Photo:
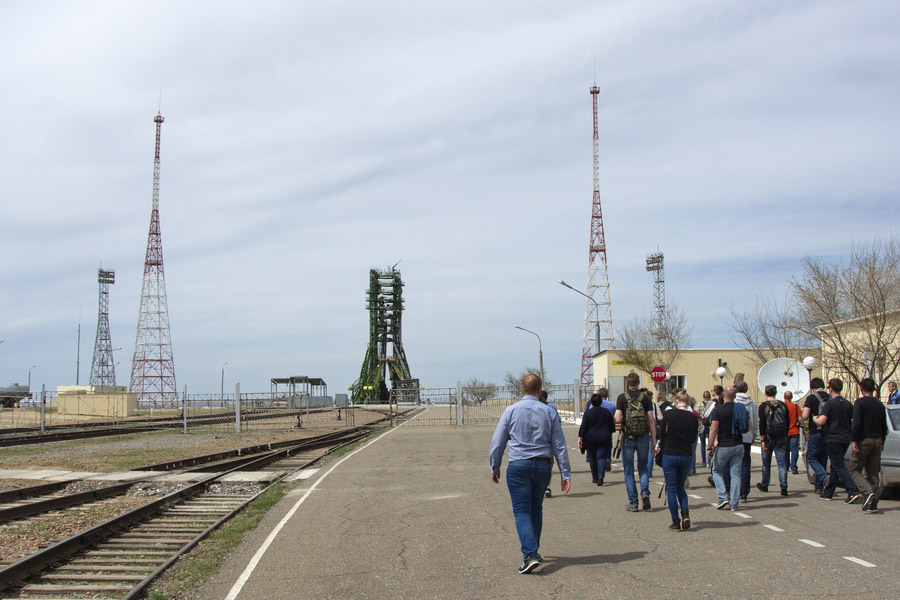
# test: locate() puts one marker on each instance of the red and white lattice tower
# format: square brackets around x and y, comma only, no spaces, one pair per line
[599,333]
[153,368]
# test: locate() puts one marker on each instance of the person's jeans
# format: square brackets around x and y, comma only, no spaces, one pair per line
[815,456]
[728,461]
[836,451]
[745,470]
[675,470]
[641,447]
[527,481]
[597,458]
[794,449]
[779,446]
[694,456]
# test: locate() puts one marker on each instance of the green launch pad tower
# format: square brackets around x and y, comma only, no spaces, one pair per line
[385,359]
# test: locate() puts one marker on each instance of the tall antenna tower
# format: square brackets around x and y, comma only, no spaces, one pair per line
[153,368]
[103,369]
[599,333]
[655,265]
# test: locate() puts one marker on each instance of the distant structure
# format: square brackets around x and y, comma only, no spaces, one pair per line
[385,358]
[598,307]
[153,368]
[655,265]
[103,368]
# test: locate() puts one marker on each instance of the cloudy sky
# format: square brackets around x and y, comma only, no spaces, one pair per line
[307,142]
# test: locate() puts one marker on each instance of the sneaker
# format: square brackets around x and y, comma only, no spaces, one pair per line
[853,498]
[532,562]
[685,520]
[548,493]
[608,466]
[633,508]
[762,488]
[744,499]
[795,471]
[676,525]
[784,491]
[870,500]
[822,496]
[873,508]
[600,482]
[646,502]
[722,505]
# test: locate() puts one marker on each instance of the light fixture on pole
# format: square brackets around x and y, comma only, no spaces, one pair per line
[29,377]
[596,307]
[540,349]
[809,363]
[721,372]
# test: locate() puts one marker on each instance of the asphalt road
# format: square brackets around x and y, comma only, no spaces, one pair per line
[415,515]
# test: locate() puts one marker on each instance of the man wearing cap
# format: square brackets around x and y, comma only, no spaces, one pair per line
[534,434]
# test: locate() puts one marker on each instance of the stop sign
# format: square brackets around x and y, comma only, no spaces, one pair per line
[658,374]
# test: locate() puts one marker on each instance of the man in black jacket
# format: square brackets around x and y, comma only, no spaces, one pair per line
[867,436]
[836,417]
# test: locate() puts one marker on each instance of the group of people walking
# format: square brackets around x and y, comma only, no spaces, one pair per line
[668,433]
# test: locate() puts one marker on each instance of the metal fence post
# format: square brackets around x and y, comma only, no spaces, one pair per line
[184,409]
[459,404]
[577,401]
[43,404]
[237,408]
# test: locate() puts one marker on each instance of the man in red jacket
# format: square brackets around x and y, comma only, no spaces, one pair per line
[793,430]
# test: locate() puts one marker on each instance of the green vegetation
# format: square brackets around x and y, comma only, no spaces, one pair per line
[207,557]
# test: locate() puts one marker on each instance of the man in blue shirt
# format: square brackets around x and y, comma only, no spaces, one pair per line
[534,434]
[893,393]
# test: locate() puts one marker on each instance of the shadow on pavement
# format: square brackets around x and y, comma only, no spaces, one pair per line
[560,562]
[697,525]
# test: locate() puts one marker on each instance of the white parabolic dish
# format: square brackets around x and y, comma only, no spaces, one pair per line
[785,374]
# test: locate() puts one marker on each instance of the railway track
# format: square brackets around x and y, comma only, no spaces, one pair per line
[120,557]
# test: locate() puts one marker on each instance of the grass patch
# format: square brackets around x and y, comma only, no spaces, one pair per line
[191,570]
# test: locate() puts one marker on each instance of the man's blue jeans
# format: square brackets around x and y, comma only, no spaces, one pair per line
[815,455]
[836,451]
[597,458]
[527,481]
[728,461]
[641,447]
[779,446]
[675,470]
[794,450]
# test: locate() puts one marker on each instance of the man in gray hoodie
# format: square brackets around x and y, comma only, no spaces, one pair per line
[750,405]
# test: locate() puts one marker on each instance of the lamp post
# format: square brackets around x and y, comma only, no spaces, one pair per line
[222,393]
[720,372]
[810,363]
[29,377]
[596,307]
[540,349]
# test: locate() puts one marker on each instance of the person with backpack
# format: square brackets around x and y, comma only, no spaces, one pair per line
[815,440]
[774,424]
[634,412]
[726,448]
[794,428]
[837,416]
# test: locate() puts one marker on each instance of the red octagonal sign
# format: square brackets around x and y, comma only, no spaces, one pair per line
[658,374]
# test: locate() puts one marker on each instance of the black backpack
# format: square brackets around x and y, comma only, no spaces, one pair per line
[776,420]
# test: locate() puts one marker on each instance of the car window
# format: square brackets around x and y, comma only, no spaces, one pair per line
[895,419]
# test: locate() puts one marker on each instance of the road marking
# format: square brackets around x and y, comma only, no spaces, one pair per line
[743,515]
[773,528]
[660,483]
[695,496]
[812,543]
[859,561]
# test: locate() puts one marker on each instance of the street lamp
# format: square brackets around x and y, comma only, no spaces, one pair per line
[222,393]
[810,363]
[720,372]
[540,349]
[29,377]
[596,306]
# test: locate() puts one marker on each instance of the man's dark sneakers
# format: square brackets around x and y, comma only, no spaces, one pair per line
[870,500]
[646,501]
[822,496]
[872,509]
[676,525]
[784,491]
[685,520]
[722,505]
[531,562]
[853,498]
[600,481]
[795,471]
[762,488]
[633,508]
[743,499]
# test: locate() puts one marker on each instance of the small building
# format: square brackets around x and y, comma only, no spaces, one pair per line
[96,401]
[693,370]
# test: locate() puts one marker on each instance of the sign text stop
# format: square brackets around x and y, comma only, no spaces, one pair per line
[658,374]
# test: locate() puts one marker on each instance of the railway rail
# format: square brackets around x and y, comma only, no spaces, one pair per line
[122,556]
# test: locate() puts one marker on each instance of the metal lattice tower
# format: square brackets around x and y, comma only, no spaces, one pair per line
[655,265]
[103,369]
[153,368]
[598,307]
[385,358]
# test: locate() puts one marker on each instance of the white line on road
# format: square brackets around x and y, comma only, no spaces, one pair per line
[773,528]
[812,543]
[696,497]
[859,561]
[743,515]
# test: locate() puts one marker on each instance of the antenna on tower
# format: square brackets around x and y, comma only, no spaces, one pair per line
[598,305]
[153,367]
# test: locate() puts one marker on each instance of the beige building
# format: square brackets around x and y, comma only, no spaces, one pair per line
[96,401]
[693,370]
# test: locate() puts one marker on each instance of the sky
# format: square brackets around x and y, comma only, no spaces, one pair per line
[306,143]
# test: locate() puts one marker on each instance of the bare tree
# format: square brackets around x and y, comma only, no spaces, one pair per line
[853,309]
[476,391]
[646,342]
[770,330]
[514,382]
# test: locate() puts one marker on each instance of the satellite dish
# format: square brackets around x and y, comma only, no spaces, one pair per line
[786,374]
